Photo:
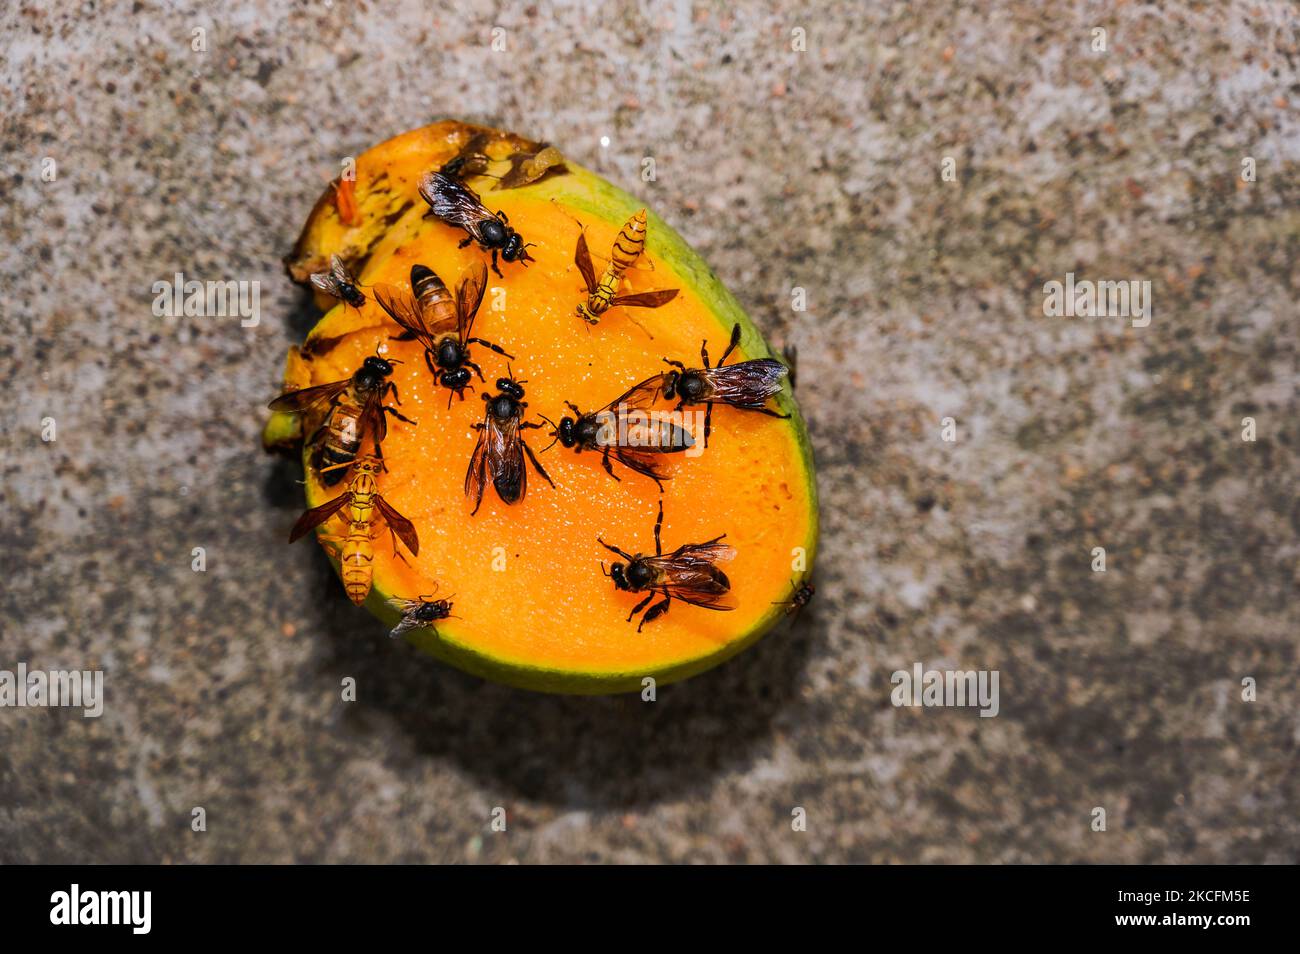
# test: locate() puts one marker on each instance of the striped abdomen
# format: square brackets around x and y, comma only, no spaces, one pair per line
[356,561]
[627,249]
[437,306]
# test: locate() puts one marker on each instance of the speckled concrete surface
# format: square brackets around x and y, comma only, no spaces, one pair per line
[819,169]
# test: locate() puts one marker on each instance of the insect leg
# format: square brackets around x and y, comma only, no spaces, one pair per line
[640,606]
[391,386]
[495,347]
[623,554]
[708,422]
[495,267]
[735,340]
[477,370]
[533,458]
[482,484]
[654,612]
[609,468]
[659,523]
[397,414]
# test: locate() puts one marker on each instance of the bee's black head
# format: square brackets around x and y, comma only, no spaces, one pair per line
[515,249]
[565,432]
[378,365]
[455,379]
[620,580]
[670,384]
[511,387]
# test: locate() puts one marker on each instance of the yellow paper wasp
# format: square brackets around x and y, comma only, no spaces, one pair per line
[356,412]
[603,295]
[365,505]
[687,574]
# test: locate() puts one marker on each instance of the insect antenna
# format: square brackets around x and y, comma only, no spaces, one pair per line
[555,433]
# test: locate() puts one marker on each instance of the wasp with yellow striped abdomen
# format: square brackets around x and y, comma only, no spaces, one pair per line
[603,295]
[355,549]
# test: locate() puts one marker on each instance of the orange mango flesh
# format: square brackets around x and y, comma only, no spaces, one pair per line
[532,605]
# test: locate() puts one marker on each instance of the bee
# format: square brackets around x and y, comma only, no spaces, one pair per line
[356,411]
[602,295]
[338,281]
[355,550]
[624,431]
[455,203]
[746,385]
[687,574]
[419,613]
[499,453]
[801,595]
[441,323]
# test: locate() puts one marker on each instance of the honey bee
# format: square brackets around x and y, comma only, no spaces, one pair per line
[356,411]
[746,385]
[419,613]
[499,453]
[356,552]
[441,323]
[687,574]
[602,295]
[625,430]
[801,595]
[455,203]
[338,282]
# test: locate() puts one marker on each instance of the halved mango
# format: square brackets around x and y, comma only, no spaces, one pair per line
[532,607]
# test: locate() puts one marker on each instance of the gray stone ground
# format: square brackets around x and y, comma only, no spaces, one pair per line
[819,169]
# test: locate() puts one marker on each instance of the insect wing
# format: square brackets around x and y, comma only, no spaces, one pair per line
[747,384]
[688,574]
[402,307]
[499,456]
[469,295]
[453,202]
[309,397]
[316,516]
[650,299]
[373,420]
[404,529]
[582,258]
